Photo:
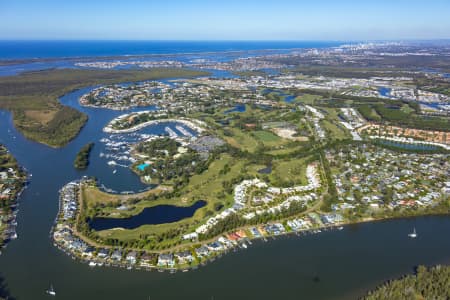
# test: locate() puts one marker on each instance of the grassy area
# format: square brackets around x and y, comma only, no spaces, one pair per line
[332,126]
[242,140]
[401,114]
[266,137]
[207,186]
[308,99]
[33,98]
[287,173]
[93,196]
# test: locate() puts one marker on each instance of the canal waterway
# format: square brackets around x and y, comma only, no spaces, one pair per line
[330,265]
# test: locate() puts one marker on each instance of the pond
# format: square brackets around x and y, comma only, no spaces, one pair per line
[149,216]
[384,91]
[236,108]
[288,98]
[408,146]
[266,170]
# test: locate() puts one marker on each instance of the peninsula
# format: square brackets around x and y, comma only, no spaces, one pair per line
[253,158]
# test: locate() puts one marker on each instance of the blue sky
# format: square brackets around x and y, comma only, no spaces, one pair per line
[225,19]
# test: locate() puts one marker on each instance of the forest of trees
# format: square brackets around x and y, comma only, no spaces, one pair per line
[82,159]
[426,283]
[65,124]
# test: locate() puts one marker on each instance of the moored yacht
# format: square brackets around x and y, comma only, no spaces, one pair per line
[413,234]
[51,291]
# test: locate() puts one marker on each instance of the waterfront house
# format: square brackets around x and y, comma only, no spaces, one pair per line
[255,232]
[202,251]
[89,251]
[184,257]
[214,246]
[116,255]
[131,257]
[146,260]
[166,260]
[103,253]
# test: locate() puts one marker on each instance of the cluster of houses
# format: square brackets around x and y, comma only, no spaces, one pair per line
[249,210]
[122,96]
[11,184]
[315,118]
[394,88]
[378,177]
[407,135]
[311,223]
[68,201]
[131,63]
[65,239]
[178,97]
[353,120]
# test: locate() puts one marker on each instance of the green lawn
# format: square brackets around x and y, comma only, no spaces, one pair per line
[289,172]
[241,139]
[205,186]
[308,99]
[266,137]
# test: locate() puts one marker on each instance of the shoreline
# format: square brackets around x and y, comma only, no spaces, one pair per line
[242,242]
[11,225]
[192,124]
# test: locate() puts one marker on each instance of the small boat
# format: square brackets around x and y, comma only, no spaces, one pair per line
[51,291]
[413,235]
[244,245]
[92,264]
[340,228]
[112,163]
[114,172]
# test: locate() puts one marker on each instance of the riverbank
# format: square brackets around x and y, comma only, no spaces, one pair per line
[39,116]
[12,183]
[426,283]
[193,124]
[187,256]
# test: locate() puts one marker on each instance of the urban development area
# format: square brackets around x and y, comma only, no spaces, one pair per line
[290,144]
[295,143]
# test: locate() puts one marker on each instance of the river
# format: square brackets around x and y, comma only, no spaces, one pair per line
[343,263]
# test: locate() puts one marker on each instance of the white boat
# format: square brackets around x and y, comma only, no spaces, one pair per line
[340,228]
[244,245]
[51,291]
[114,172]
[92,264]
[112,163]
[413,235]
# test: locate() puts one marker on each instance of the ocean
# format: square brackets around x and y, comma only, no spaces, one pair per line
[13,50]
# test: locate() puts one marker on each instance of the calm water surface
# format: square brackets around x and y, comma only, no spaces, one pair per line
[159,214]
[348,262]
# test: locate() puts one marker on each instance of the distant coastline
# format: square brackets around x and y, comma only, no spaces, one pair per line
[33,51]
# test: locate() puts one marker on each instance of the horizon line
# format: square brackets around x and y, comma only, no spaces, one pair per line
[225,40]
